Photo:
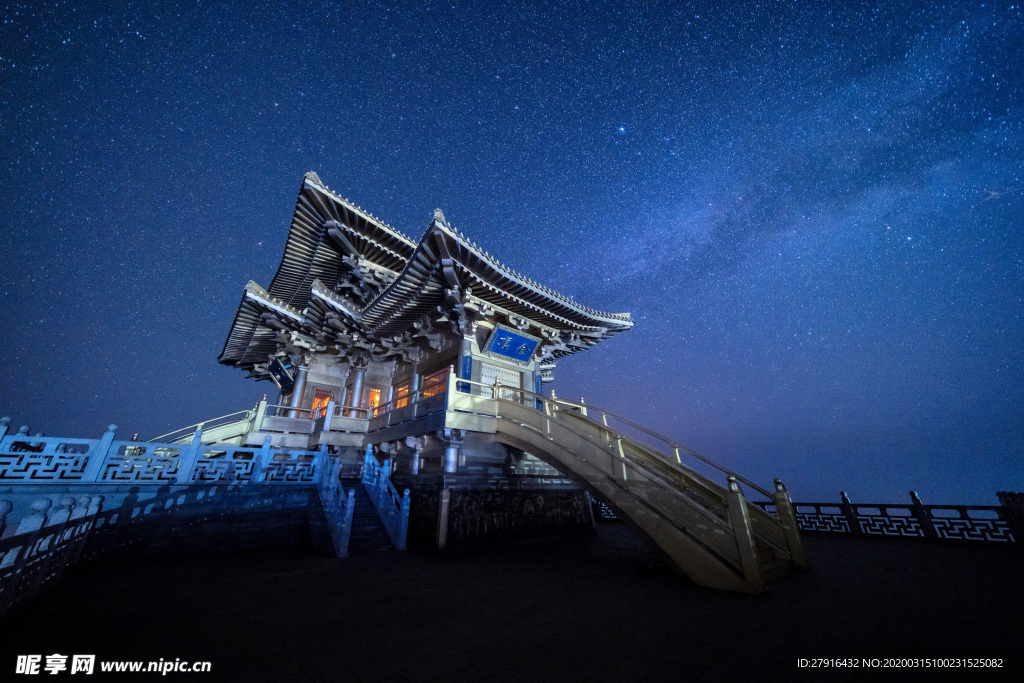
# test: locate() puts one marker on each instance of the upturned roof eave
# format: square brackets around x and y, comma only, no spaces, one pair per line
[531,298]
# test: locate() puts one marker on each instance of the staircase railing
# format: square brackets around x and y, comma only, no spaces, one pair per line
[674,450]
[780,530]
[392,508]
[337,506]
[244,420]
[552,405]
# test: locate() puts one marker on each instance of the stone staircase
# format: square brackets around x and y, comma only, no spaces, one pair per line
[368,533]
[704,530]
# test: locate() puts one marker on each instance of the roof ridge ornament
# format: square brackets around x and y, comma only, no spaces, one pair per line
[439,217]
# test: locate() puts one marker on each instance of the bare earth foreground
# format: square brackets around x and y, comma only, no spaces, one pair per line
[597,608]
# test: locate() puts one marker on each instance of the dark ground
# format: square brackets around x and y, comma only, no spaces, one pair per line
[597,608]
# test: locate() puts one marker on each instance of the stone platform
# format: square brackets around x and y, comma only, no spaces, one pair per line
[596,608]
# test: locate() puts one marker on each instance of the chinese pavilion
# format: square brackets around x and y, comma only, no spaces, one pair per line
[431,354]
[402,366]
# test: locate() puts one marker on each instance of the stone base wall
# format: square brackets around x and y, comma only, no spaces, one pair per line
[117,523]
[183,523]
[477,516]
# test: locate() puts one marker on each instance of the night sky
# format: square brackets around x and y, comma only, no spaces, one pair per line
[813,211]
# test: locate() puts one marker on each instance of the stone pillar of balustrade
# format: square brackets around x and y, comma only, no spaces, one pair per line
[5,509]
[790,526]
[850,513]
[99,454]
[739,519]
[924,518]
[37,517]
[189,456]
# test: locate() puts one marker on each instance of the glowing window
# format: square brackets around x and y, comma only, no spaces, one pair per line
[320,400]
[402,395]
[435,383]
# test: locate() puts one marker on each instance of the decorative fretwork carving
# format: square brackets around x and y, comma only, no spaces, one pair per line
[56,459]
[143,463]
[944,522]
[291,467]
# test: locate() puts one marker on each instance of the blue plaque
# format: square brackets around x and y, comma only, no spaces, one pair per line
[282,378]
[511,345]
[467,373]
[540,389]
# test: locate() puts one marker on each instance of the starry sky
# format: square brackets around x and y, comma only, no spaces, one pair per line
[812,210]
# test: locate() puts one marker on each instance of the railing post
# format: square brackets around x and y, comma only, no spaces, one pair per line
[443,506]
[259,468]
[328,415]
[583,407]
[261,412]
[739,519]
[369,465]
[403,524]
[450,388]
[346,524]
[790,526]
[37,518]
[5,509]
[322,462]
[850,514]
[187,459]
[923,518]
[1012,503]
[622,457]
[94,468]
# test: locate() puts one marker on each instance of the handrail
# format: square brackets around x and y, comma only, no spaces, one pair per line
[392,508]
[384,410]
[672,443]
[201,425]
[278,411]
[338,506]
[689,451]
[339,411]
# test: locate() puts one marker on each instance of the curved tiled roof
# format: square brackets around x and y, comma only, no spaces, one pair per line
[331,241]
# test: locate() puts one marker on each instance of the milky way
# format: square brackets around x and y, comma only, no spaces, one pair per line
[812,211]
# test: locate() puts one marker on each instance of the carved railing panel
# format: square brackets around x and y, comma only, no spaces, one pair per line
[40,459]
[987,523]
[298,467]
[142,462]
[38,467]
[225,463]
[820,518]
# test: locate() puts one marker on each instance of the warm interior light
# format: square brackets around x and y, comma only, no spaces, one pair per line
[435,383]
[320,400]
[402,395]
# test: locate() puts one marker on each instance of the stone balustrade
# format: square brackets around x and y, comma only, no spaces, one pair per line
[988,523]
[65,501]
